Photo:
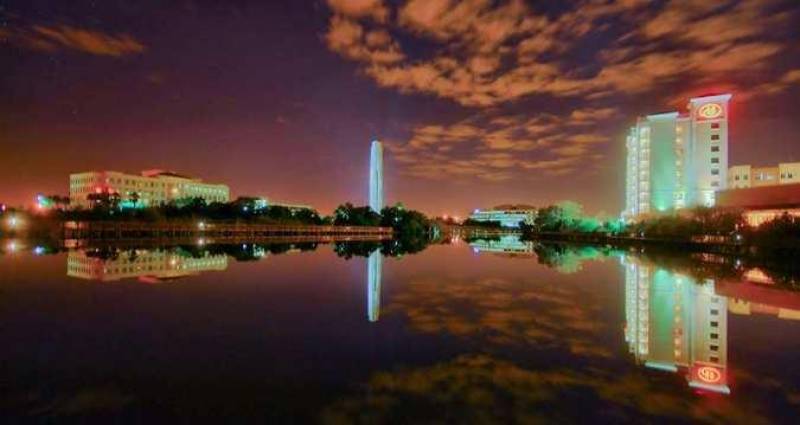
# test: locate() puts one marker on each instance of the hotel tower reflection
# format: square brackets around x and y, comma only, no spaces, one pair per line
[675,323]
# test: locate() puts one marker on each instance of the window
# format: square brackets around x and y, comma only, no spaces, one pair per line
[714,312]
[714,184]
[714,324]
[790,175]
[746,177]
[783,175]
[713,359]
[714,172]
[715,149]
[714,125]
[736,178]
[714,347]
[715,160]
[714,336]
[715,137]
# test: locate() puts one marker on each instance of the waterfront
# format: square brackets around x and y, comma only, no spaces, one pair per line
[488,332]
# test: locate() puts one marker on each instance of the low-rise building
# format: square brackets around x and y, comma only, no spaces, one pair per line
[745,176]
[506,215]
[763,203]
[151,188]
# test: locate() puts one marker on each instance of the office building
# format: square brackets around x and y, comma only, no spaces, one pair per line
[677,160]
[151,188]
[746,176]
[507,215]
[763,203]
[376,176]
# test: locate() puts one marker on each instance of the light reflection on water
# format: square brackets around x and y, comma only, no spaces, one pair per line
[490,331]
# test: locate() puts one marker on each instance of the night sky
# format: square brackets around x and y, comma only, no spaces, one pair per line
[479,102]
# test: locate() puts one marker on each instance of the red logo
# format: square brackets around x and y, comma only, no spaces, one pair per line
[709,374]
[710,111]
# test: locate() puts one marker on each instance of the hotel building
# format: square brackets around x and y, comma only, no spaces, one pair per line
[506,215]
[677,160]
[153,187]
[746,176]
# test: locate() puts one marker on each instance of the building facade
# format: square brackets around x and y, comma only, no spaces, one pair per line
[146,265]
[746,176]
[506,215]
[151,188]
[677,160]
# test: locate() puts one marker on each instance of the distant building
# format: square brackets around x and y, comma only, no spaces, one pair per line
[677,160]
[152,187]
[510,245]
[745,176]
[376,176]
[260,203]
[506,215]
[763,203]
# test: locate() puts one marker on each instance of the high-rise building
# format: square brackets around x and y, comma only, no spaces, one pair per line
[151,188]
[677,160]
[376,176]
[746,176]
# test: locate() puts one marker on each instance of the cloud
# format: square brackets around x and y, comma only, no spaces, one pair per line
[360,8]
[65,37]
[487,53]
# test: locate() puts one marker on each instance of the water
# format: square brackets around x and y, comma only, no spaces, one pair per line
[488,332]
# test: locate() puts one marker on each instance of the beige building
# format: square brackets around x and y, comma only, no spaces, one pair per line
[153,188]
[745,176]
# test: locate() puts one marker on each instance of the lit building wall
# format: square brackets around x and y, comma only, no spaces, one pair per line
[709,147]
[507,217]
[789,172]
[152,187]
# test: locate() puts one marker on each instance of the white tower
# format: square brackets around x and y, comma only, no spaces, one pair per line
[376,176]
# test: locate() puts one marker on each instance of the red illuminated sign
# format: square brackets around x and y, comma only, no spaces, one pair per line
[709,375]
[710,111]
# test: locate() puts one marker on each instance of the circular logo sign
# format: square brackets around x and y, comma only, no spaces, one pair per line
[710,111]
[709,374]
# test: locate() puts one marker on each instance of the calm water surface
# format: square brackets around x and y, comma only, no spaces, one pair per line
[458,333]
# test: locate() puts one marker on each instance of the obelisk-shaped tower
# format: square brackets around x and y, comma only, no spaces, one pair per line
[376,176]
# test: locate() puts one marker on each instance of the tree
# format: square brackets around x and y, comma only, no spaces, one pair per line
[349,215]
[134,197]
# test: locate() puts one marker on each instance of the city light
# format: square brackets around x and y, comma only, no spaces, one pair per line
[39,250]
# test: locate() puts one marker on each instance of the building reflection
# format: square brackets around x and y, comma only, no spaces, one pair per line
[147,265]
[506,244]
[374,268]
[676,323]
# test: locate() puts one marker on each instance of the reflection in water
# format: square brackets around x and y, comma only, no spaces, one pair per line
[149,265]
[674,321]
[374,266]
[505,244]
